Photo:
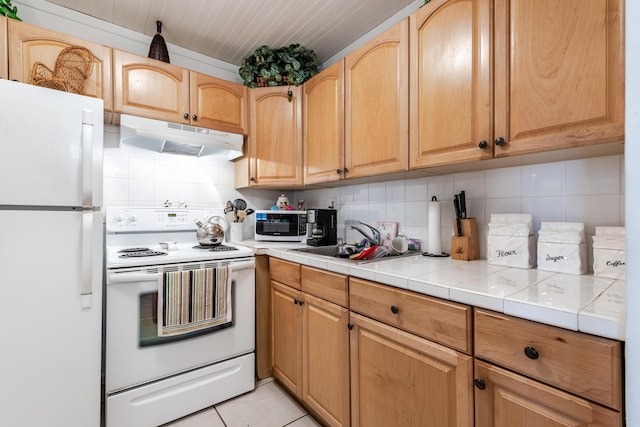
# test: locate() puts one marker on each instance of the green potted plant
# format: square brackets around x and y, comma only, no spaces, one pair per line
[9,11]
[287,65]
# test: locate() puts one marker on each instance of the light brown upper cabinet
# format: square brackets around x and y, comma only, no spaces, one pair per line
[4,63]
[150,88]
[552,78]
[451,82]
[323,124]
[29,45]
[377,104]
[275,141]
[559,74]
[218,104]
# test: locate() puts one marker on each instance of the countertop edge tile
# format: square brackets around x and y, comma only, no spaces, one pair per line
[430,289]
[602,326]
[477,299]
[538,313]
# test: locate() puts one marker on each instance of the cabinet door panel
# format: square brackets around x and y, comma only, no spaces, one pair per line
[377,105]
[324,125]
[451,81]
[509,399]
[563,75]
[149,88]
[325,360]
[286,340]
[276,136]
[398,379]
[218,104]
[29,44]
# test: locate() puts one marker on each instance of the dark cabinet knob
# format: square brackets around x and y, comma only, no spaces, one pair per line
[394,309]
[531,353]
[252,179]
[346,171]
[295,301]
[499,141]
[301,302]
[483,144]
[195,117]
[350,326]
[480,385]
[186,115]
[338,171]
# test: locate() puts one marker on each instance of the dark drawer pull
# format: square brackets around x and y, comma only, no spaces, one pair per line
[479,384]
[531,353]
[394,309]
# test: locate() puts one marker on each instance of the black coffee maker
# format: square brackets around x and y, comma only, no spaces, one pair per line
[322,227]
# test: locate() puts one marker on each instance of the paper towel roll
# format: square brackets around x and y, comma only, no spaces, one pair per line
[434,228]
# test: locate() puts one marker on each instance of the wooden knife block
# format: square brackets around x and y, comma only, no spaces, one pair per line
[465,247]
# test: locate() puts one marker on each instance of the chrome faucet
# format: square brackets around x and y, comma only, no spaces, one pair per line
[373,239]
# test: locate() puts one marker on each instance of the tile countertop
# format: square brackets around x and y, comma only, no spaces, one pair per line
[584,303]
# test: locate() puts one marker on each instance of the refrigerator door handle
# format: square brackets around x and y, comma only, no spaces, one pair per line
[86,291]
[87,159]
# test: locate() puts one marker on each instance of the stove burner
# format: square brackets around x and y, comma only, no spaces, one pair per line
[219,248]
[142,253]
[127,250]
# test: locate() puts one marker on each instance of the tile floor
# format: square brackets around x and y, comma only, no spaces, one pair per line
[266,406]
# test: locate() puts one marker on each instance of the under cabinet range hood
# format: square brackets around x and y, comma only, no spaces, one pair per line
[174,138]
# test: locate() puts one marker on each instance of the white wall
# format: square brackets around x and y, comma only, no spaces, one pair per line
[632,160]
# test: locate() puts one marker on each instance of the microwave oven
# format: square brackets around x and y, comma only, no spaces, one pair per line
[281,225]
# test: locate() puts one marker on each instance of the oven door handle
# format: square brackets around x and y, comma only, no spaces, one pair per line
[140,276]
[134,276]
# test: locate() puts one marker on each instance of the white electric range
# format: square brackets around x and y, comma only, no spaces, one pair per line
[151,379]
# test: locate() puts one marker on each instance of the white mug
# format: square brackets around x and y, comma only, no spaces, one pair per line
[399,245]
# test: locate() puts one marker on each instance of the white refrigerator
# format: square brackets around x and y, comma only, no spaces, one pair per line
[51,246]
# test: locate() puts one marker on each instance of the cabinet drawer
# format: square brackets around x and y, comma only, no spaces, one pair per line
[445,322]
[285,272]
[579,363]
[332,287]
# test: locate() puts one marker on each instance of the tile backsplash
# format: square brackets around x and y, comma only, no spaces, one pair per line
[587,190]
[137,177]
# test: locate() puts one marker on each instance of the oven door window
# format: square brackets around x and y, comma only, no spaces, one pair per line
[148,323]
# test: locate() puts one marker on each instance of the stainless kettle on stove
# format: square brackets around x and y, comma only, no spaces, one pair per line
[210,232]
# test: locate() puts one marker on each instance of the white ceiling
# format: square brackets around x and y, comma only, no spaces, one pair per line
[229,30]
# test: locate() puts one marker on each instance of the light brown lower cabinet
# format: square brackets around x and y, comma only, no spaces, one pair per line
[286,321]
[399,379]
[504,398]
[360,353]
[311,352]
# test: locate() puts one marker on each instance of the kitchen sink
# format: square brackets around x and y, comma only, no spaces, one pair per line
[343,251]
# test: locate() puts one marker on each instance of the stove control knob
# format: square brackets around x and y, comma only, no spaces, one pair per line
[132,217]
[119,217]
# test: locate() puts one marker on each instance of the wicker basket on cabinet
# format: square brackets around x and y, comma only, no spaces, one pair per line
[72,69]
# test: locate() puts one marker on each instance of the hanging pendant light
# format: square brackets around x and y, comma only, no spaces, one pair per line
[158,49]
